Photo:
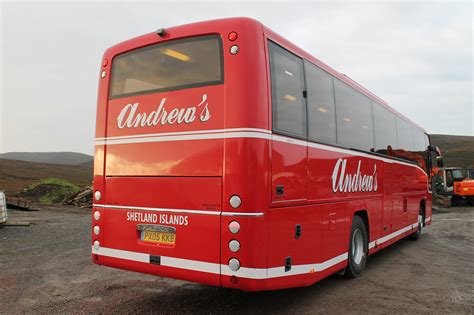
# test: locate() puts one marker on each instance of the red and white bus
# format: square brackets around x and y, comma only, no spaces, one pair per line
[226,155]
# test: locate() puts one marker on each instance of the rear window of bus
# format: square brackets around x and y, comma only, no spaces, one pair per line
[173,65]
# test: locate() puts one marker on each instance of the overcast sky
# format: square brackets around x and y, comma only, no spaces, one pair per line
[417,57]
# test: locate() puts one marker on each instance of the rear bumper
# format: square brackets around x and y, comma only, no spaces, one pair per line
[177,268]
[247,279]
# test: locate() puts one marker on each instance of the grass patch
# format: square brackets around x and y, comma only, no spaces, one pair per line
[51,190]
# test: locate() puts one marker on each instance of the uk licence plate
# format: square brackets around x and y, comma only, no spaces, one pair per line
[157,237]
[161,235]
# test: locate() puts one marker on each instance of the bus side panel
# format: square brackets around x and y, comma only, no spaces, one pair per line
[375,214]
[289,171]
[410,187]
[418,184]
[387,199]
[428,209]
[400,201]
[334,228]
[284,243]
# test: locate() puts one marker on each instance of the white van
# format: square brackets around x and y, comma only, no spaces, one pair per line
[3,208]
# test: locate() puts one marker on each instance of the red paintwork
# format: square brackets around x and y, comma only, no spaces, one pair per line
[204,174]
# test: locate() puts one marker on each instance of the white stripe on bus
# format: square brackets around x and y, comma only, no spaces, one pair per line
[242,214]
[145,135]
[392,235]
[236,133]
[185,137]
[243,272]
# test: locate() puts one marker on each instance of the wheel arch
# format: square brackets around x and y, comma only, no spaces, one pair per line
[363,214]
[423,210]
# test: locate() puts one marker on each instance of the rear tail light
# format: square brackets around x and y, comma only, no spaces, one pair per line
[235,201]
[234,49]
[97,194]
[232,36]
[97,215]
[234,264]
[161,32]
[234,227]
[234,280]
[234,246]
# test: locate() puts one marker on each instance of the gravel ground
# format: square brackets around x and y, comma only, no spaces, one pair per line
[46,268]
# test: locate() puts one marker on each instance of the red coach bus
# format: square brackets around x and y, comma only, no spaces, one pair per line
[226,155]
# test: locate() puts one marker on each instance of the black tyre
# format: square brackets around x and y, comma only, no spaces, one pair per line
[470,201]
[416,236]
[358,248]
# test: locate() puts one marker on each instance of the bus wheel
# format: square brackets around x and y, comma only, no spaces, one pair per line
[357,248]
[415,236]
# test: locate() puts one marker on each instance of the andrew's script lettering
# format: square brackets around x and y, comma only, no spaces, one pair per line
[342,182]
[130,117]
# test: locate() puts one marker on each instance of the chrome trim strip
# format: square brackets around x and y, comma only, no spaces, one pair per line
[191,132]
[392,235]
[184,137]
[190,211]
[242,214]
[158,209]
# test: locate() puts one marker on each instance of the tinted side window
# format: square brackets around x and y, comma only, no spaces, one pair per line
[404,135]
[289,111]
[421,148]
[321,108]
[411,143]
[419,140]
[385,129]
[354,118]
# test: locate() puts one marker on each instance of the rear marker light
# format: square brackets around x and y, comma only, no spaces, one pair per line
[103,74]
[234,227]
[97,195]
[161,32]
[234,264]
[235,201]
[96,245]
[97,215]
[234,246]
[234,49]
[232,36]
[105,63]
[96,230]
[234,280]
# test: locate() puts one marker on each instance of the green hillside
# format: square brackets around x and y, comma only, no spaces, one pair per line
[456,150]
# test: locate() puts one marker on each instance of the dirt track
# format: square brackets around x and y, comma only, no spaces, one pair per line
[47,268]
